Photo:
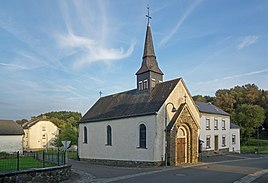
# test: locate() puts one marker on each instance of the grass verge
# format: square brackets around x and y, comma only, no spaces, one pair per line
[253,145]
[9,164]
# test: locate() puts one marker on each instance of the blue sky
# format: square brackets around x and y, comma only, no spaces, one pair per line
[58,55]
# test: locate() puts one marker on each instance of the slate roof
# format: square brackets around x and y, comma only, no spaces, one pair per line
[9,127]
[210,108]
[130,103]
[234,126]
[149,62]
[28,124]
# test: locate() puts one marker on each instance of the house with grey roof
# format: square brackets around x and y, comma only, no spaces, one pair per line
[218,133]
[39,134]
[11,135]
[155,123]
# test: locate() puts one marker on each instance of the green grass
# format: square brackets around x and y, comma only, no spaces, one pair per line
[9,164]
[252,146]
[72,155]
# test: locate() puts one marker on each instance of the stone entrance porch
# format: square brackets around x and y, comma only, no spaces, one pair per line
[182,138]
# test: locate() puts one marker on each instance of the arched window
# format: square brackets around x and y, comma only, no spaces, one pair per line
[109,135]
[142,136]
[85,134]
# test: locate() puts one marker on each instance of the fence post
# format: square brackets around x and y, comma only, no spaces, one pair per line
[18,161]
[43,159]
[58,157]
[64,160]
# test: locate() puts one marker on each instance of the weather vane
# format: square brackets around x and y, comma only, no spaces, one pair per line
[148,15]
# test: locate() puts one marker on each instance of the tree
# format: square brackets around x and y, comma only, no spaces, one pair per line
[201,98]
[249,117]
[69,133]
[225,100]
[21,122]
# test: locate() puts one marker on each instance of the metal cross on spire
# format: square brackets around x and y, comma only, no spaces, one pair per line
[148,15]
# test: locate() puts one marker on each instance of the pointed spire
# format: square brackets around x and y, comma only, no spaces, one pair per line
[149,62]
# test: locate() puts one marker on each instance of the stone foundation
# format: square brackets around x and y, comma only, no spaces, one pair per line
[212,152]
[38,175]
[123,163]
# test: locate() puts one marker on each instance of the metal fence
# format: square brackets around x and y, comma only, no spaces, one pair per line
[26,160]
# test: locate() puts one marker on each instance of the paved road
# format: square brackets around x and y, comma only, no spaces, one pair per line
[229,168]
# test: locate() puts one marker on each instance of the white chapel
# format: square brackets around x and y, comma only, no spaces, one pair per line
[154,124]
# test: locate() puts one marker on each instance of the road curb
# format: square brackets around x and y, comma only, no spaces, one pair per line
[251,177]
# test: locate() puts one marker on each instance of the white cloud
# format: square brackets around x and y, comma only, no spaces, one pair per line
[13,66]
[180,22]
[90,50]
[247,41]
[234,76]
[89,43]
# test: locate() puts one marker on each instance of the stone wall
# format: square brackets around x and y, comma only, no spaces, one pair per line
[212,152]
[123,163]
[38,175]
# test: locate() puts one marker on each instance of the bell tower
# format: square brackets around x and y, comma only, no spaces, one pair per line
[149,73]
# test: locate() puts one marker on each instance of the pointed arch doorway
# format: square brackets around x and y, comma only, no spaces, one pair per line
[181,146]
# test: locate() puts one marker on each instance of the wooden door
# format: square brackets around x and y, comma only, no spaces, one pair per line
[216,143]
[181,150]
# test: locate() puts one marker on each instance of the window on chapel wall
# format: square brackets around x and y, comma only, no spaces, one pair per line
[85,134]
[109,135]
[145,84]
[153,83]
[142,136]
[140,86]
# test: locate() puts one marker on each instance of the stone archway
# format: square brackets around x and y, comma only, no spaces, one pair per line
[181,146]
[183,122]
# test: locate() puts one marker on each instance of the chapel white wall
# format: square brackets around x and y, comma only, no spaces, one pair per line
[125,140]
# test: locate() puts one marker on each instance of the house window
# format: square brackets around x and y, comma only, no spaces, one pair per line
[142,136]
[233,139]
[145,84]
[140,85]
[223,124]
[216,124]
[208,141]
[43,128]
[153,83]
[109,135]
[85,134]
[207,124]
[223,141]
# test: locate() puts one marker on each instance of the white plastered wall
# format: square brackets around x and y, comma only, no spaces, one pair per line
[125,140]
[34,139]
[220,132]
[11,143]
